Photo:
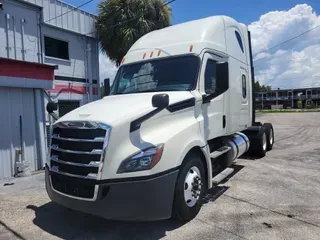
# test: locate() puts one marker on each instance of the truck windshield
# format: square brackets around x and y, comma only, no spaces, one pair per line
[166,74]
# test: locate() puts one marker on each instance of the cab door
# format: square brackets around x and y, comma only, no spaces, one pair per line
[214,116]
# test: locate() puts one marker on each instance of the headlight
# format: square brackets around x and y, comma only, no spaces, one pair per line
[141,161]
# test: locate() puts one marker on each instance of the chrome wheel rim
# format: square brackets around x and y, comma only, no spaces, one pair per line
[271,136]
[192,186]
[264,141]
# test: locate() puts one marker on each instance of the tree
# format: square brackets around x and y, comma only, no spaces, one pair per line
[265,88]
[257,86]
[261,88]
[122,22]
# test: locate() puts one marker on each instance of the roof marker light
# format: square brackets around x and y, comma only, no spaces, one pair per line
[191,48]
[144,55]
[151,54]
[123,59]
[159,52]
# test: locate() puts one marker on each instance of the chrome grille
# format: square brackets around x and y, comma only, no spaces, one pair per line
[76,148]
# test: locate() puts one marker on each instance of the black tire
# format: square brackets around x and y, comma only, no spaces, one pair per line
[180,210]
[257,147]
[270,135]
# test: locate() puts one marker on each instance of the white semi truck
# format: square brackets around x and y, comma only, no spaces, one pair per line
[179,112]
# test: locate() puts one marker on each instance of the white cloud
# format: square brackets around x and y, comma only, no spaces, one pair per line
[293,64]
[108,69]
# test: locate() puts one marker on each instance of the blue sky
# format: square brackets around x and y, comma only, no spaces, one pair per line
[246,12]
[294,64]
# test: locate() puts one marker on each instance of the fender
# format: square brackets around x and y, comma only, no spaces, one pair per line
[206,154]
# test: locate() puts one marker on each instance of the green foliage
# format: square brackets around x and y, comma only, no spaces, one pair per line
[257,86]
[288,111]
[299,104]
[101,90]
[261,88]
[134,18]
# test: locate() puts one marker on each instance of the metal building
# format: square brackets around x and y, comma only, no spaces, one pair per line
[53,33]
[22,121]
[289,98]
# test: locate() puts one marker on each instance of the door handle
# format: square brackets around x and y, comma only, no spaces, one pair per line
[224,121]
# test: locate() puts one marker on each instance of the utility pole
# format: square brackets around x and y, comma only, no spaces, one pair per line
[317,98]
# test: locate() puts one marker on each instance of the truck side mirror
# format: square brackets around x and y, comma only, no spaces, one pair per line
[51,107]
[160,101]
[106,86]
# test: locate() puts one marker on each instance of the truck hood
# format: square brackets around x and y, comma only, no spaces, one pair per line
[120,108]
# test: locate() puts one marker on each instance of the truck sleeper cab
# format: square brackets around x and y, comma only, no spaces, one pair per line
[180,111]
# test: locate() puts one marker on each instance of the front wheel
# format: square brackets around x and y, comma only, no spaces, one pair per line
[190,188]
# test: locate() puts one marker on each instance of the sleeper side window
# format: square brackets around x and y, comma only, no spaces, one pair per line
[210,77]
[239,40]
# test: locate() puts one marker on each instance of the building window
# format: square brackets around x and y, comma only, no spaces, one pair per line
[56,48]
[210,77]
[244,86]
[239,40]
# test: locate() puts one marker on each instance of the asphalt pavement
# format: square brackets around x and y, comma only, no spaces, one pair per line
[276,197]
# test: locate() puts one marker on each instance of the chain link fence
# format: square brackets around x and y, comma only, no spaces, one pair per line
[65,107]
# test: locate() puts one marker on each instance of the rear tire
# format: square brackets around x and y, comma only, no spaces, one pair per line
[270,135]
[261,143]
[190,189]
[258,142]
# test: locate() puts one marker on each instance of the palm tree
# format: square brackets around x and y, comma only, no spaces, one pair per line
[121,22]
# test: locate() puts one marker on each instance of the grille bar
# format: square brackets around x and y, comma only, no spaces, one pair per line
[93,152]
[81,125]
[97,139]
[89,176]
[90,164]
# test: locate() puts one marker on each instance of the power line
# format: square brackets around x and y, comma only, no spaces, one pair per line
[288,40]
[78,7]
[129,20]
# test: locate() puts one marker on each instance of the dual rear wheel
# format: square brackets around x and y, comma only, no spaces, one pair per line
[261,141]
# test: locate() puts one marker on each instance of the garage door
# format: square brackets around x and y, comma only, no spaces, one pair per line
[18,129]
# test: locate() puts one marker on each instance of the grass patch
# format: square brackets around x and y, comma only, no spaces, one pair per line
[287,110]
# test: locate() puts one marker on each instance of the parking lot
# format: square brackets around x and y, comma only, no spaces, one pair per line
[276,197]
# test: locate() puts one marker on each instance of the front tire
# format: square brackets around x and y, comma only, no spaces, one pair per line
[190,188]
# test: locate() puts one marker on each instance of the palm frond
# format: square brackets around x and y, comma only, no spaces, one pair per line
[122,22]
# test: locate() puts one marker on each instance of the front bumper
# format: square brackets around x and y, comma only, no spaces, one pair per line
[135,200]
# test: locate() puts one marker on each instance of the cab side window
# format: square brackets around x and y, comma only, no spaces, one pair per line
[244,86]
[210,77]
